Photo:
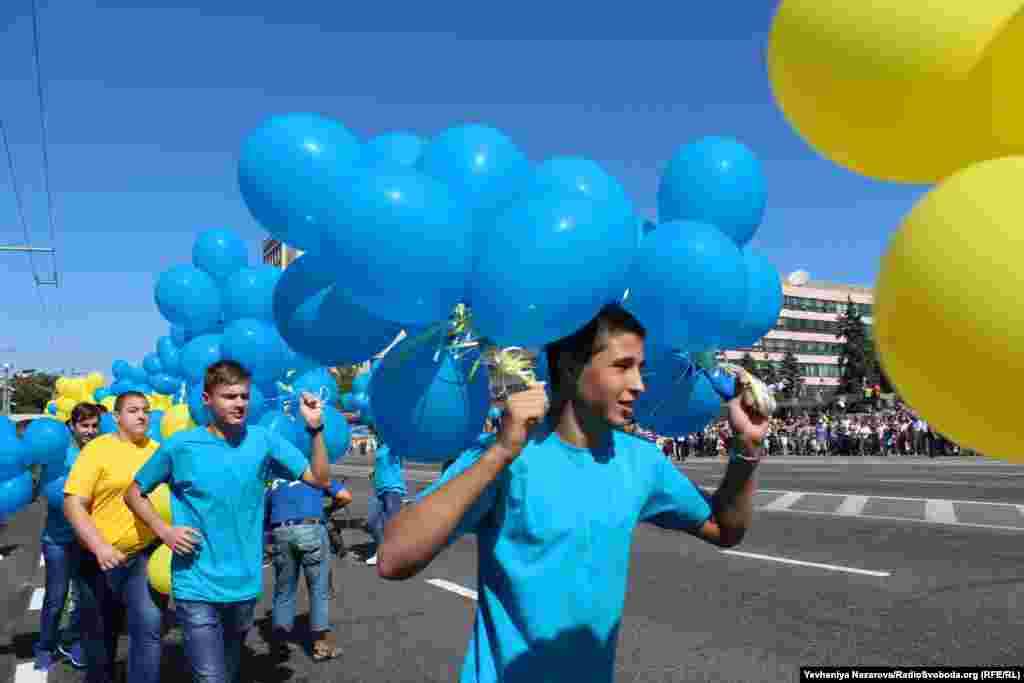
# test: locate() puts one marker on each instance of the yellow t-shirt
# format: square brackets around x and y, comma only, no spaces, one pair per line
[102,473]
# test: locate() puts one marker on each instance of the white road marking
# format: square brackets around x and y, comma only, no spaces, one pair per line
[852,505]
[26,673]
[918,520]
[941,511]
[36,603]
[803,563]
[918,481]
[784,502]
[42,561]
[833,493]
[454,588]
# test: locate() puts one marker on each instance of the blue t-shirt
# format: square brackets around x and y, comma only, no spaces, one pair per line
[218,489]
[298,500]
[57,528]
[553,543]
[387,471]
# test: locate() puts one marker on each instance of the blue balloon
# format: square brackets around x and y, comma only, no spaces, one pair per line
[360,402]
[189,297]
[13,457]
[249,293]
[258,405]
[678,398]
[361,383]
[763,301]
[296,363]
[107,424]
[180,336]
[399,149]
[198,355]
[46,440]
[289,169]
[428,410]
[196,408]
[170,356]
[337,436]
[579,178]
[118,388]
[321,324]
[166,384]
[480,164]
[151,363]
[648,226]
[541,370]
[15,494]
[155,418]
[101,394]
[714,180]
[281,424]
[121,369]
[257,346]
[688,286]
[7,427]
[219,253]
[404,223]
[319,382]
[138,375]
[53,490]
[374,365]
[347,402]
[578,257]
[51,409]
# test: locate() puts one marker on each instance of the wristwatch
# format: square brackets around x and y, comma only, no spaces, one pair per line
[313,431]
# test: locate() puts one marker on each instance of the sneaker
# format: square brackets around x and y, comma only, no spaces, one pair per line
[372,561]
[44,660]
[74,654]
[324,647]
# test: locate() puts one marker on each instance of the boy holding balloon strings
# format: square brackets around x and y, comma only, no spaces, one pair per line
[115,548]
[217,477]
[553,566]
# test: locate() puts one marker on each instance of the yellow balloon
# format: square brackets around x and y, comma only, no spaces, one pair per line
[908,91]
[95,380]
[108,402]
[949,321]
[60,385]
[176,419]
[161,499]
[65,404]
[159,570]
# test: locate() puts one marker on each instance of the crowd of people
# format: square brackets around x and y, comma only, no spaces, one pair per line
[884,432]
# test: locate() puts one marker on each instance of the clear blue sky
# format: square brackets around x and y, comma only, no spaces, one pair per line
[147,107]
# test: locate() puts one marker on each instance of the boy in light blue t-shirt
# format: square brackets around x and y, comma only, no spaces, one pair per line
[217,478]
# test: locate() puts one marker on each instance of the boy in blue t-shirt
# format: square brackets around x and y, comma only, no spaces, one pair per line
[217,477]
[553,499]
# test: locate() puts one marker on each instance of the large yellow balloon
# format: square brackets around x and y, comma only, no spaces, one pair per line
[60,385]
[176,419]
[65,404]
[907,91]
[94,381]
[159,570]
[949,312]
[161,500]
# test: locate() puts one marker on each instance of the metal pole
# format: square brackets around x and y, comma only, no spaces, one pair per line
[25,249]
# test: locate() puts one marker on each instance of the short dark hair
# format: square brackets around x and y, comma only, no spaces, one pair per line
[587,341]
[120,401]
[225,372]
[83,412]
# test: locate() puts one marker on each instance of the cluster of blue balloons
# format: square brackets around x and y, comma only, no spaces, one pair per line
[45,442]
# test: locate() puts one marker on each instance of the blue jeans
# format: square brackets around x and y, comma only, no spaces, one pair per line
[305,547]
[59,577]
[389,503]
[111,601]
[214,633]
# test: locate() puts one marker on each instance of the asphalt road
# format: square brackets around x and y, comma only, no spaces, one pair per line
[851,561]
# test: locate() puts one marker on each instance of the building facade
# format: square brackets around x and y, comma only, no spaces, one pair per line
[808,327]
[278,254]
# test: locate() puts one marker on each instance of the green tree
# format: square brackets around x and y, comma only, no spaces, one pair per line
[32,391]
[856,358]
[790,373]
